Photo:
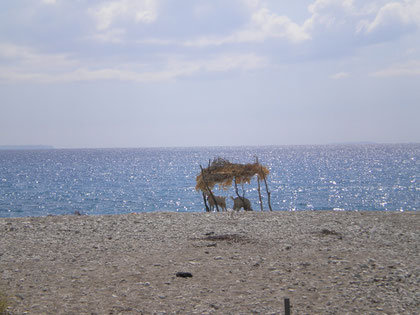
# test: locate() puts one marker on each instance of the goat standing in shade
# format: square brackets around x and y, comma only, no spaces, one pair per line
[221,202]
[239,203]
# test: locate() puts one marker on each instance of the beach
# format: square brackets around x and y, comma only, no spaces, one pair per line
[325,262]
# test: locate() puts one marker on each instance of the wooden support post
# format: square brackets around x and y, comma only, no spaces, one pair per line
[208,188]
[237,192]
[259,187]
[266,188]
[286,306]
[205,202]
[259,193]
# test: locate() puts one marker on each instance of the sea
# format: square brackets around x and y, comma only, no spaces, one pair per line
[352,177]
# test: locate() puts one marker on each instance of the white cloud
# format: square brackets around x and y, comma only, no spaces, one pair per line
[264,24]
[329,13]
[49,1]
[158,42]
[115,35]
[29,58]
[203,9]
[340,75]
[139,11]
[393,14]
[205,41]
[233,62]
[171,69]
[252,4]
[410,68]
[269,24]
[319,5]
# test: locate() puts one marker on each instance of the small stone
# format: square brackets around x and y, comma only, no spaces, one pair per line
[19,296]
[183,274]
[215,306]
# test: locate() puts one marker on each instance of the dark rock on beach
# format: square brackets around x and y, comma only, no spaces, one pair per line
[183,274]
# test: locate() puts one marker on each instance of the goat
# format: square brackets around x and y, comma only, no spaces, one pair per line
[221,202]
[239,203]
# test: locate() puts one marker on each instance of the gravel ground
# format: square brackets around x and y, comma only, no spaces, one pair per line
[325,262]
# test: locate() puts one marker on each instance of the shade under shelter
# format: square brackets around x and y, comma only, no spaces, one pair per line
[224,173]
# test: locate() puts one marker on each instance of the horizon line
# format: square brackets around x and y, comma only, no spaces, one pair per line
[51,147]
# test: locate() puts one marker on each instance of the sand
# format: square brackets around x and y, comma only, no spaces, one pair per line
[325,262]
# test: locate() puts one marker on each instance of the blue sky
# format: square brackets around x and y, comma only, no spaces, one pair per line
[146,73]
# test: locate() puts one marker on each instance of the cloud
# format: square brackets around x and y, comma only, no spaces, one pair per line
[115,36]
[373,20]
[343,20]
[339,75]
[159,42]
[319,5]
[252,4]
[263,25]
[33,67]
[329,13]
[49,1]
[392,15]
[327,28]
[139,11]
[29,58]
[271,25]
[410,68]
[233,62]
[326,17]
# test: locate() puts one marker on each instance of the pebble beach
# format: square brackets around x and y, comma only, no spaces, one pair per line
[325,262]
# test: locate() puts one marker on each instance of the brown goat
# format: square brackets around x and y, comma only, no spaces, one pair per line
[221,202]
[239,203]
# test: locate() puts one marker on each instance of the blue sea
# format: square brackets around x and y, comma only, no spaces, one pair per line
[115,181]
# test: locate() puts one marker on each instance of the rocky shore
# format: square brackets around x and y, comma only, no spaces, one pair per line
[325,262]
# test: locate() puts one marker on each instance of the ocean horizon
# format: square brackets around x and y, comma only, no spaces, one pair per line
[40,182]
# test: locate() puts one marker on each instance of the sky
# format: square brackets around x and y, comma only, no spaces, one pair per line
[158,73]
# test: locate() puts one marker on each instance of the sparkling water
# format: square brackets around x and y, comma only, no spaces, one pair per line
[113,181]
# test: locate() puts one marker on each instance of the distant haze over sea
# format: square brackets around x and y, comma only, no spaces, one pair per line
[26,147]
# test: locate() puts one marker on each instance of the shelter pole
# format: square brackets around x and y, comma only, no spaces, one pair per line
[268,193]
[237,192]
[205,202]
[259,193]
[208,188]
[259,187]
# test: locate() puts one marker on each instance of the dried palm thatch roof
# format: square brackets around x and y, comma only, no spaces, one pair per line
[222,172]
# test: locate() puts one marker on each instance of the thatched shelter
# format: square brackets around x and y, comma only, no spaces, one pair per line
[224,173]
